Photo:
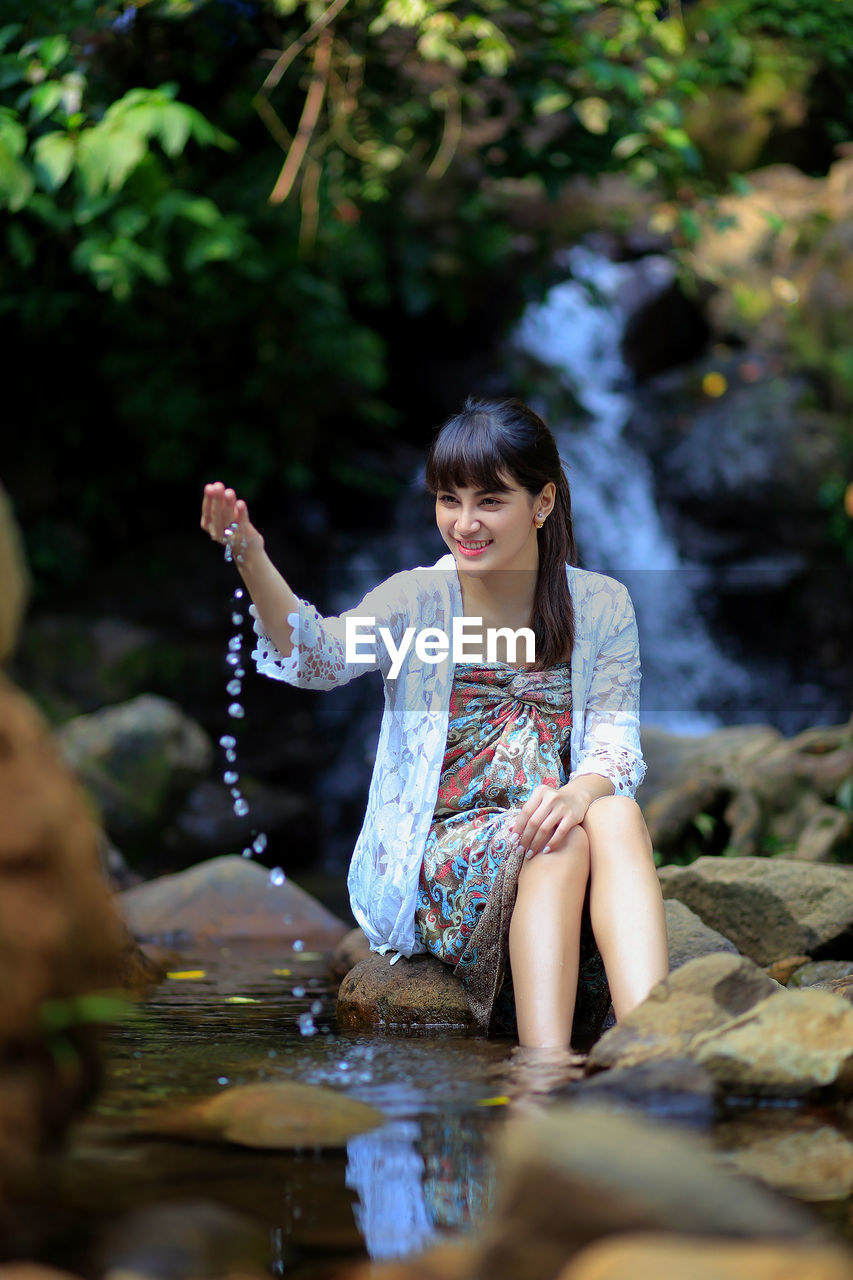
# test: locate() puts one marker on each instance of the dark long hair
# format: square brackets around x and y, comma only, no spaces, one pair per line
[473,449]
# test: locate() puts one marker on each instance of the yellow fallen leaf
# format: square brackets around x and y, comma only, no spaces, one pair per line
[715,385]
[281,973]
[188,975]
[500,1101]
[240,1000]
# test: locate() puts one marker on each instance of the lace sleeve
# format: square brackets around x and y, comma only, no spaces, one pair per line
[319,658]
[611,724]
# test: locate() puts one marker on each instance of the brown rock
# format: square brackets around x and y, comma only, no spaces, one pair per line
[687,936]
[413,993]
[839,987]
[827,830]
[574,1175]
[769,907]
[277,1116]
[781,970]
[60,940]
[650,1256]
[701,995]
[794,1044]
[802,1155]
[226,899]
[351,949]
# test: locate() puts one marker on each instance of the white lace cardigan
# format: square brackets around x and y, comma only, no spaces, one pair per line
[385,866]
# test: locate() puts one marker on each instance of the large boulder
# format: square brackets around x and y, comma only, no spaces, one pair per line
[138,760]
[657,1256]
[228,899]
[574,1175]
[769,907]
[411,994]
[61,942]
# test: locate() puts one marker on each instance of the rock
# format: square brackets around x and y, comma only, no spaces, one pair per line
[574,1175]
[688,937]
[838,986]
[802,1155]
[677,1090]
[187,1240]
[225,899]
[138,760]
[60,942]
[794,1044]
[769,907]
[279,1116]
[781,970]
[414,993]
[650,1256]
[351,949]
[701,995]
[14,579]
[820,971]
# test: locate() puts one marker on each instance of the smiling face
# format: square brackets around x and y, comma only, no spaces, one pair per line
[492,528]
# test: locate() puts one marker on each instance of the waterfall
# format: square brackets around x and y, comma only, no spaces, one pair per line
[577,330]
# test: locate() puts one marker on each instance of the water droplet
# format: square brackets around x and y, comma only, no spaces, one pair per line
[232,659]
[277,876]
[272,1054]
[228,555]
[235,711]
[230,777]
[236,618]
[298,992]
[260,843]
[230,756]
[238,594]
[317,1007]
[247,853]
[222,1080]
[236,792]
[239,673]
[235,644]
[299,945]
[227,741]
[234,687]
[241,808]
[306,1025]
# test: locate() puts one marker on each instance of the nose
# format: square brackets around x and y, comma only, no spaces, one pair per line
[466,524]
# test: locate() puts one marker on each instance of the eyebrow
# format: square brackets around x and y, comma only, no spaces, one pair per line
[478,493]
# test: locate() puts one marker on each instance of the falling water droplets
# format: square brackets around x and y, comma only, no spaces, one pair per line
[233,659]
[260,843]
[298,993]
[236,793]
[277,876]
[306,1025]
[234,687]
[227,742]
[236,619]
[299,945]
[238,594]
[247,853]
[236,711]
[241,808]
[317,1007]
[235,644]
[230,777]
[230,756]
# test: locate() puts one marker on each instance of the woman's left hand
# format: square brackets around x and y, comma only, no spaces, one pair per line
[548,817]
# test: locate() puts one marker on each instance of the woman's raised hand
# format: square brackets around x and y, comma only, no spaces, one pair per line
[221,509]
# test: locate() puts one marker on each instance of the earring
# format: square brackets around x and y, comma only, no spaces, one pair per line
[540,520]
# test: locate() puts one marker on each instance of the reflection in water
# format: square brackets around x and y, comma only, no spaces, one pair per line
[387,1173]
[416,1180]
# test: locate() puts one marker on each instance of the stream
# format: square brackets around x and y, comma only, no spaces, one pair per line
[427,1175]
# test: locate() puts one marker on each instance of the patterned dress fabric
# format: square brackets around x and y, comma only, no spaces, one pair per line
[509,732]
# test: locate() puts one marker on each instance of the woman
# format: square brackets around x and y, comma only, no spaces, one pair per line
[502,794]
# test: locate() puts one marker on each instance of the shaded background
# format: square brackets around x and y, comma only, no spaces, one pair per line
[276,243]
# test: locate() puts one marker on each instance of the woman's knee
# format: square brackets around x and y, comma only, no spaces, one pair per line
[569,856]
[616,819]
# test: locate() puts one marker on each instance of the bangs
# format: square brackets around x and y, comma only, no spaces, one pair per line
[465,456]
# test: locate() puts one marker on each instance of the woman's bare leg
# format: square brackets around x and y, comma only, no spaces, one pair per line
[625,901]
[544,942]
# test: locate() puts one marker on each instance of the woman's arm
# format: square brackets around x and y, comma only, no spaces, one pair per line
[295,642]
[271,596]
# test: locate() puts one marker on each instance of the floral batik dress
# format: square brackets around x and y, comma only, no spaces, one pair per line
[508,732]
